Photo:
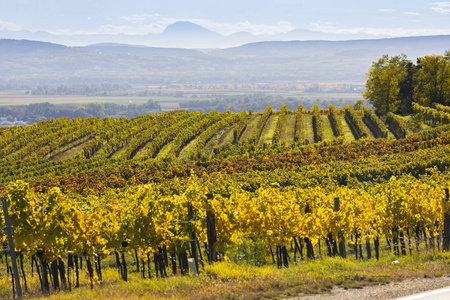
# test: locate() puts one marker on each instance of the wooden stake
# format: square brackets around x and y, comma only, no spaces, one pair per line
[342,251]
[446,239]
[12,250]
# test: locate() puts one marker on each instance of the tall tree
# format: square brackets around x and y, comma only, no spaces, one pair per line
[383,84]
[407,84]
[433,82]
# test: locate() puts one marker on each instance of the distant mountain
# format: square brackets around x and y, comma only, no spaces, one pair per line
[32,62]
[242,34]
[142,50]
[185,28]
[11,46]
[114,45]
[188,35]
[412,46]
[311,35]
[181,34]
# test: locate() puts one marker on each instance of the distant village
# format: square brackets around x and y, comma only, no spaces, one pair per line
[5,122]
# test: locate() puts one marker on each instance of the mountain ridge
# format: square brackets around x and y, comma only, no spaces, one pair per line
[270,61]
[178,34]
[185,27]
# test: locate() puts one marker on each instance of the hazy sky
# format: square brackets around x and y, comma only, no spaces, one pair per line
[395,18]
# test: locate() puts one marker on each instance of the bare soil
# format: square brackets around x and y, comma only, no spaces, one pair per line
[388,291]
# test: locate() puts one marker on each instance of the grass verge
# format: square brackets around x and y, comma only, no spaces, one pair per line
[227,280]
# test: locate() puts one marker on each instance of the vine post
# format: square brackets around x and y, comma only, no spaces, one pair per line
[211,232]
[446,240]
[12,250]
[341,238]
[309,246]
[193,240]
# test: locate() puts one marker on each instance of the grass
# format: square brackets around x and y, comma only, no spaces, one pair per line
[327,130]
[216,139]
[188,149]
[307,129]
[165,150]
[348,135]
[119,151]
[369,133]
[251,126]
[288,130]
[142,150]
[13,92]
[228,280]
[227,137]
[422,127]
[70,150]
[268,130]
[391,136]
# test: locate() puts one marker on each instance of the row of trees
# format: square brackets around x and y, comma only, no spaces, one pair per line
[37,112]
[259,101]
[93,89]
[394,83]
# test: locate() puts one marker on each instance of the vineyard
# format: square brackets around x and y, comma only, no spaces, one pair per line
[174,193]
[67,147]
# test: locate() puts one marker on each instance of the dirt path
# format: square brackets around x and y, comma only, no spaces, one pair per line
[389,291]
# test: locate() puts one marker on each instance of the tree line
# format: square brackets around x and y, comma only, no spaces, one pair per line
[33,113]
[92,89]
[258,102]
[394,83]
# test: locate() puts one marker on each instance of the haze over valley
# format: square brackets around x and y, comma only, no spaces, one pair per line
[316,53]
[34,62]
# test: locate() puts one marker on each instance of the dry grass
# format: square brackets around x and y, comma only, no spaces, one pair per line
[188,149]
[165,150]
[220,135]
[288,130]
[70,150]
[119,151]
[307,128]
[268,130]
[366,130]
[327,130]
[251,126]
[227,137]
[226,280]
[348,135]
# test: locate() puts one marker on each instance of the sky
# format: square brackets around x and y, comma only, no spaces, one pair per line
[261,17]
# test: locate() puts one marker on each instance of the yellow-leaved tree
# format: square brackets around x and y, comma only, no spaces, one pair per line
[383,83]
